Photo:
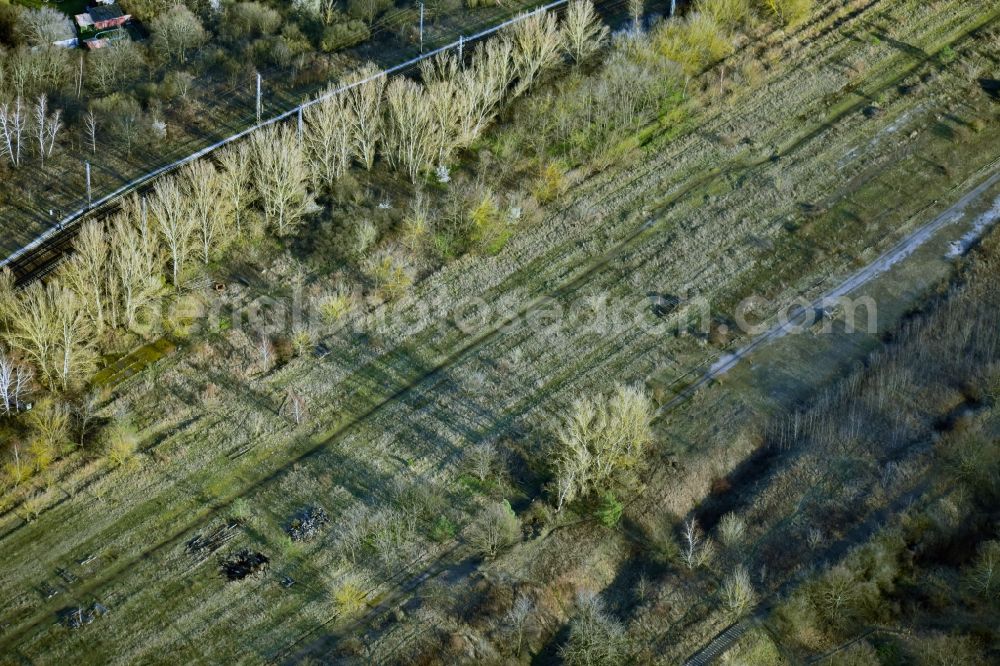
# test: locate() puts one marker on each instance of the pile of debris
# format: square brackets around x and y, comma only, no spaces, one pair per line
[307,523]
[244,564]
[200,547]
[78,616]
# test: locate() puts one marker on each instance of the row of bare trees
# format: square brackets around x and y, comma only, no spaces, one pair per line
[20,124]
[119,268]
[415,126]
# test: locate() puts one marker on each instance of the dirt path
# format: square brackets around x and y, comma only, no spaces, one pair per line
[805,316]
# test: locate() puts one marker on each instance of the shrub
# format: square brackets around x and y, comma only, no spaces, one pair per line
[726,12]
[489,228]
[789,12]
[601,444]
[495,528]
[738,593]
[609,510]
[349,597]
[984,575]
[343,35]
[594,636]
[551,182]
[732,530]
[334,305]
[121,442]
[443,529]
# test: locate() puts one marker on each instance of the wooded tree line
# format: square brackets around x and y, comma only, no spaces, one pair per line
[120,267]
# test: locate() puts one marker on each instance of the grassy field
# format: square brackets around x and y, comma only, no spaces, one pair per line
[861,126]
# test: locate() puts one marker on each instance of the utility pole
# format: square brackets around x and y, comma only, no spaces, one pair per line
[259,108]
[89,198]
[460,42]
[145,222]
[300,126]
[79,79]
[421,27]
[673,8]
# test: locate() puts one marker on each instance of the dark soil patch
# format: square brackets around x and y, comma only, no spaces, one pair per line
[244,564]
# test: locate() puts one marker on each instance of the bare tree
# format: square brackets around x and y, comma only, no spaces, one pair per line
[176,31]
[636,8]
[12,123]
[43,26]
[365,100]
[90,124]
[440,75]
[536,44]
[483,86]
[517,619]
[7,286]
[696,549]
[204,191]
[52,129]
[15,378]
[281,176]
[583,34]
[295,405]
[174,222]
[85,410]
[110,66]
[738,592]
[134,267]
[601,443]
[237,174]
[87,271]
[32,327]
[409,134]
[265,349]
[594,636]
[73,335]
[329,132]
[482,459]
[17,470]
[495,528]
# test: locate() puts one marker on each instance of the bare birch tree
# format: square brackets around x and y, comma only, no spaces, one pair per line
[583,34]
[15,377]
[46,127]
[134,267]
[32,327]
[74,335]
[87,271]
[203,188]
[483,86]
[281,176]
[409,132]
[536,45]
[328,136]
[365,100]
[174,222]
[90,124]
[12,123]
[237,175]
